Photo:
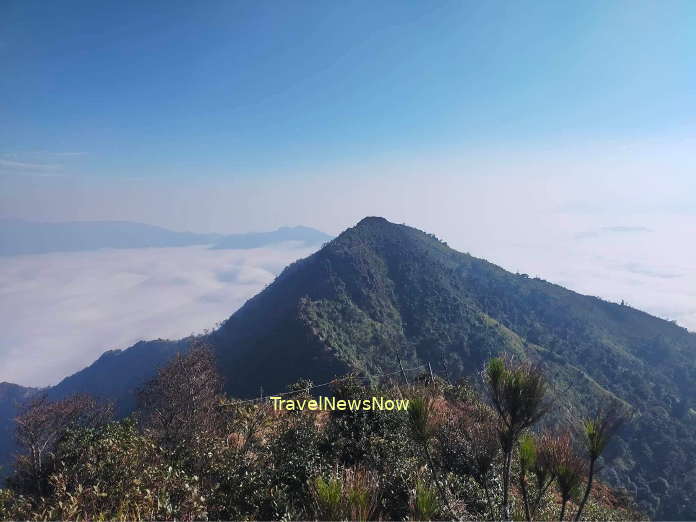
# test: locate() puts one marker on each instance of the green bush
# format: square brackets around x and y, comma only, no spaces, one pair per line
[441,459]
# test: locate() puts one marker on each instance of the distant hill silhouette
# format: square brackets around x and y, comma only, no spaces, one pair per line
[11,396]
[309,236]
[381,289]
[19,237]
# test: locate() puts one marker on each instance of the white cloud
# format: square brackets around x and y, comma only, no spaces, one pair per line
[35,153]
[24,166]
[62,311]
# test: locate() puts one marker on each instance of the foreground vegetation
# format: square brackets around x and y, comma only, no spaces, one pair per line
[190,453]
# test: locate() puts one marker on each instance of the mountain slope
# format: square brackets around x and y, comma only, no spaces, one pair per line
[381,288]
[380,292]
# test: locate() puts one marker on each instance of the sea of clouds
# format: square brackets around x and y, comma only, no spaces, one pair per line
[61,311]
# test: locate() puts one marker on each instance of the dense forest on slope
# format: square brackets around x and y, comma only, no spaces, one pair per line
[382,289]
[382,292]
[190,453]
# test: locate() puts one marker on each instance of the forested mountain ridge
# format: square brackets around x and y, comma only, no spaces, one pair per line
[381,292]
[381,288]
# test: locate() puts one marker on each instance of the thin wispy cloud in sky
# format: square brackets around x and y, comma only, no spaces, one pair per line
[38,163]
[23,166]
[35,153]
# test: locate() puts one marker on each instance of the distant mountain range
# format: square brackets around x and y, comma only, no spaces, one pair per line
[19,237]
[381,292]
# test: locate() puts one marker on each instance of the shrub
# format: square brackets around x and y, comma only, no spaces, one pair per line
[424,502]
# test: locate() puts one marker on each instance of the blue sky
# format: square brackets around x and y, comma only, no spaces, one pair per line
[223,89]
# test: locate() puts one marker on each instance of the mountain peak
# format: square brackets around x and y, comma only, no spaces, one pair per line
[373,222]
